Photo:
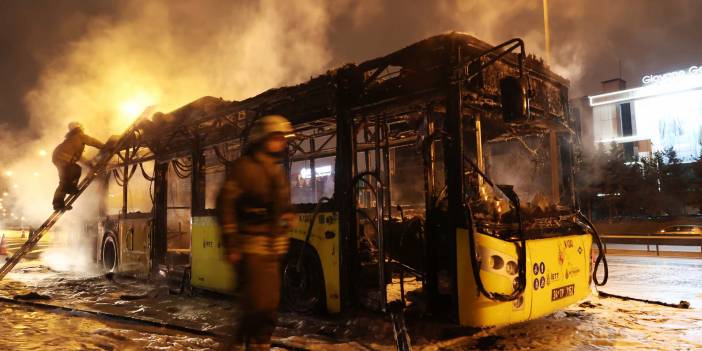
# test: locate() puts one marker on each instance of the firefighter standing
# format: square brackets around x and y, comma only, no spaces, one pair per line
[65,158]
[254,206]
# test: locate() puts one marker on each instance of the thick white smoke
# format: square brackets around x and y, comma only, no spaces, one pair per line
[172,52]
[157,52]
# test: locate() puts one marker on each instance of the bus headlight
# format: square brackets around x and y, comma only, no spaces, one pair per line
[496,262]
[512,268]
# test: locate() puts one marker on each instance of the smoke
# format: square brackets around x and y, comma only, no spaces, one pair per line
[153,53]
[589,38]
[100,63]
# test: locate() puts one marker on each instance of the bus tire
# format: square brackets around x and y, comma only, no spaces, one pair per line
[303,289]
[109,253]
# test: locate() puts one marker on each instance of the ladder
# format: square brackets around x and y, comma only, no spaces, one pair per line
[100,163]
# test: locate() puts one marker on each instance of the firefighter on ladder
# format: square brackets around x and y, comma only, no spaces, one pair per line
[254,214]
[65,158]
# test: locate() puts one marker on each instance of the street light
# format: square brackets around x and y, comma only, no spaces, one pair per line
[42,153]
[547,33]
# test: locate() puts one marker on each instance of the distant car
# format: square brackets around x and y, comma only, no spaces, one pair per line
[682,230]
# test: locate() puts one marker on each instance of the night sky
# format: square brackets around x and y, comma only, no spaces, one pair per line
[589,38]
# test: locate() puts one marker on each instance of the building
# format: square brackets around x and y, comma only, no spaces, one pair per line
[666,111]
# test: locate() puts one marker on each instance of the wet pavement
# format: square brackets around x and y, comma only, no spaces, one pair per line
[27,328]
[195,321]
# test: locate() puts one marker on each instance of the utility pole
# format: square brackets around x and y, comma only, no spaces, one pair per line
[547,33]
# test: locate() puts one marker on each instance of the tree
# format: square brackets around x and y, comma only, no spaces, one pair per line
[635,192]
[614,178]
[673,182]
[589,181]
[650,187]
[696,183]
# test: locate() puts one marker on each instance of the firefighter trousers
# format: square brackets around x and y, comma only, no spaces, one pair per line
[69,174]
[259,286]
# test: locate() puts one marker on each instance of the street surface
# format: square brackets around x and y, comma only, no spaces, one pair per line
[596,324]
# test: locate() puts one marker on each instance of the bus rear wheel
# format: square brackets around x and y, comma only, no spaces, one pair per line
[303,284]
[109,253]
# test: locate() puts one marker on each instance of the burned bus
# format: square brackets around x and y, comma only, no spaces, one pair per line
[449,163]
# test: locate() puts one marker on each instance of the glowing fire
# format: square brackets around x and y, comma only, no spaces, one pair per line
[132,107]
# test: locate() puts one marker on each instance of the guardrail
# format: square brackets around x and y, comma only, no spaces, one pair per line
[652,240]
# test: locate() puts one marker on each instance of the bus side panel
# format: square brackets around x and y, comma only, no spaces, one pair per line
[325,241]
[134,243]
[475,309]
[209,269]
[560,272]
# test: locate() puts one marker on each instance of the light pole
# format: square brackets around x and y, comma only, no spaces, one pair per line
[547,33]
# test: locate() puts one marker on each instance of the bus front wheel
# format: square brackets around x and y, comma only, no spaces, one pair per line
[303,283]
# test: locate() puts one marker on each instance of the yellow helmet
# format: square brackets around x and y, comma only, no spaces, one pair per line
[267,125]
[73,125]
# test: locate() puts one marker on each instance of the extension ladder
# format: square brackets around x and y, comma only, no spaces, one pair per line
[100,163]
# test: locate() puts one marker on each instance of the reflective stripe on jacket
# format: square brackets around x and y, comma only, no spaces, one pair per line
[253,198]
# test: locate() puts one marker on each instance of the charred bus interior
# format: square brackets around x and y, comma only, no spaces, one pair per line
[441,172]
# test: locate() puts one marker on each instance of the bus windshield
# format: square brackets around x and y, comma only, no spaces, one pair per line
[536,167]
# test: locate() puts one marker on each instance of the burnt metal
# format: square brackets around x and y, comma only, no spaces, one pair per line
[453,160]
[445,78]
[158,239]
[345,198]
[197,188]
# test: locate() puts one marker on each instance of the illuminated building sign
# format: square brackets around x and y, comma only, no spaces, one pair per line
[672,76]
[667,113]
[656,85]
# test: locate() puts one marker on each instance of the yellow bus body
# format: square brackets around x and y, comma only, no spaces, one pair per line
[210,271]
[562,280]
[558,275]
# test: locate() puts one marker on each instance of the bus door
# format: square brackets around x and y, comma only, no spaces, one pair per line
[390,208]
[178,212]
[209,269]
[311,277]
[136,225]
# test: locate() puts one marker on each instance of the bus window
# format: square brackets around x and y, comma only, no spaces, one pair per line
[406,179]
[524,163]
[113,198]
[140,190]
[324,177]
[304,188]
[214,177]
[301,186]
[178,204]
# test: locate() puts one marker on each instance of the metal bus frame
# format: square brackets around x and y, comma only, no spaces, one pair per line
[440,95]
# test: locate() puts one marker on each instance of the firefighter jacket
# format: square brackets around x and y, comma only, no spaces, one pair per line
[251,203]
[71,149]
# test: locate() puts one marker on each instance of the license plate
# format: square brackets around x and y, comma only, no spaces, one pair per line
[562,292]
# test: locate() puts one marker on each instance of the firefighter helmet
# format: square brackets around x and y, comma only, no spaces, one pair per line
[73,125]
[267,125]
